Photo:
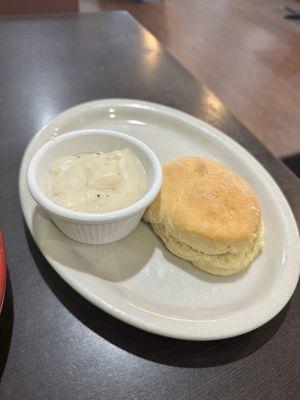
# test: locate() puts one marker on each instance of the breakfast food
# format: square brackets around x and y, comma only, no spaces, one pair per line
[207,214]
[96,182]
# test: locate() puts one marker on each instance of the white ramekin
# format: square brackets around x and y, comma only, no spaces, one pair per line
[93,228]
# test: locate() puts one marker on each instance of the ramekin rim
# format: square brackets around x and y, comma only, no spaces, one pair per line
[83,217]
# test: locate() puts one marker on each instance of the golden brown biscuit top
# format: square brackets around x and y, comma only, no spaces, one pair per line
[201,199]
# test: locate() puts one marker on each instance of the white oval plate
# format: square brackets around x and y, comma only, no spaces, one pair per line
[136,279]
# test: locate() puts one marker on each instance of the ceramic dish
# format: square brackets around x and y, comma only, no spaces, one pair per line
[136,279]
[93,228]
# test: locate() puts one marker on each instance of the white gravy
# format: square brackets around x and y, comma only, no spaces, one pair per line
[97,182]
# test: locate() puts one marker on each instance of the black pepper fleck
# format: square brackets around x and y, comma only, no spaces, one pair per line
[98,195]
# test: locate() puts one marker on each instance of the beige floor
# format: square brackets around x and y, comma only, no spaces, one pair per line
[243,50]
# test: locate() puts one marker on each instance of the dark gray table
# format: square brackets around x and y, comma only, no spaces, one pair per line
[54,344]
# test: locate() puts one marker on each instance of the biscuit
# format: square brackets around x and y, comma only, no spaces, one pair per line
[207,214]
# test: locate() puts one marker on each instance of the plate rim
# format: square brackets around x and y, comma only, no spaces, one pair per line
[218,135]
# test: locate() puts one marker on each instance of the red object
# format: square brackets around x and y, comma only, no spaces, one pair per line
[2,271]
